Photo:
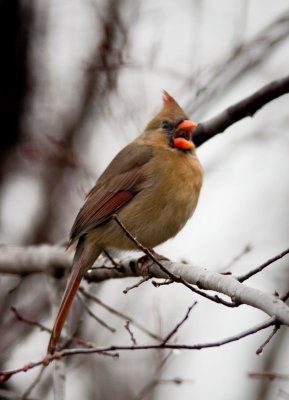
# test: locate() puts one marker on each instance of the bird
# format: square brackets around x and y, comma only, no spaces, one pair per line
[152,185]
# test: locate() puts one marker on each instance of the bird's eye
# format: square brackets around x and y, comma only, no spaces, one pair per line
[165,125]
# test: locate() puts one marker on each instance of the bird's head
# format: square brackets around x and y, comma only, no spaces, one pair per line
[171,126]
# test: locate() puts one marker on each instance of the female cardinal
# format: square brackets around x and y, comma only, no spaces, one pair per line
[153,185]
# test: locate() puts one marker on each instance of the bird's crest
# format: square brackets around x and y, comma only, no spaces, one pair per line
[168,99]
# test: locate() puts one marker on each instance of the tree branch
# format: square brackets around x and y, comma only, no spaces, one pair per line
[244,108]
[214,81]
[193,275]
[27,260]
[261,267]
[5,375]
[207,280]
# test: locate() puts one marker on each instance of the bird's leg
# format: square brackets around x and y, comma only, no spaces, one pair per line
[145,262]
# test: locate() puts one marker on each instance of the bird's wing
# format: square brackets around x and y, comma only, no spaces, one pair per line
[112,193]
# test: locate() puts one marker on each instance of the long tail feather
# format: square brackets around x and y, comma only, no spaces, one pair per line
[83,260]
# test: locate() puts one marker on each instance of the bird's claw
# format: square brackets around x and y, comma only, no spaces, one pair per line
[145,262]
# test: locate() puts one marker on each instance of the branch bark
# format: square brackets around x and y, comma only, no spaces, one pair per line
[207,280]
[244,108]
[27,260]
[47,259]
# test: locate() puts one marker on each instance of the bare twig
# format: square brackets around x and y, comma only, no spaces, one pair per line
[144,249]
[33,384]
[29,321]
[163,283]
[151,385]
[111,259]
[176,328]
[127,327]
[262,266]
[145,279]
[119,314]
[172,276]
[176,381]
[215,299]
[261,348]
[5,375]
[269,375]
[236,258]
[95,317]
[244,108]
[155,374]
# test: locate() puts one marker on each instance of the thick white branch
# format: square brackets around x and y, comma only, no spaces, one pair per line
[48,259]
[34,259]
[208,280]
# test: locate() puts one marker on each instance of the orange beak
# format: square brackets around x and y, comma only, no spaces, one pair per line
[182,138]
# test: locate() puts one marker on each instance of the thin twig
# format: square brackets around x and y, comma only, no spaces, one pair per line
[119,314]
[262,266]
[94,316]
[29,321]
[156,373]
[33,384]
[176,381]
[176,328]
[5,375]
[143,248]
[145,279]
[164,283]
[236,258]
[165,270]
[215,298]
[269,375]
[74,339]
[261,348]
[151,385]
[111,259]
[127,327]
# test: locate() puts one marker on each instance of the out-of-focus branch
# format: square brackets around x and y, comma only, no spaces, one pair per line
[23,261]
[244,108]
[99,80]
[16,21]
[243,59]
[119,314]
[269,375]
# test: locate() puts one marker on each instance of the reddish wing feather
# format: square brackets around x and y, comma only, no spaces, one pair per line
[104,200]
[94,216]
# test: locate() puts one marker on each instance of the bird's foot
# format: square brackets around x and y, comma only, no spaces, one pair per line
[145,262]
